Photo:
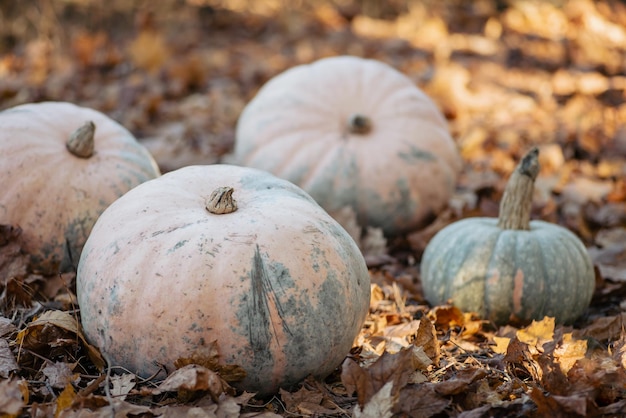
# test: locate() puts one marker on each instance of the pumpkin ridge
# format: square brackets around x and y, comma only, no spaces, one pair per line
[489,269]
[544,270]
[319,160]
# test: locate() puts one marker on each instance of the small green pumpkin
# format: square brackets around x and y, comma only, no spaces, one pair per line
[510,269]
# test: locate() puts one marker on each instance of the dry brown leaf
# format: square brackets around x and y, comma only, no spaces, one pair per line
[8,364]
[460,381]
[421,401]
[11,397]
[54,327]
[380,405]
[306,401]
[426,338]
[209,357]
[194,378]
[59,374]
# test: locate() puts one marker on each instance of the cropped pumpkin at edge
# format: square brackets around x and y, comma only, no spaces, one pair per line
[223,253]
[61,165]
[510,269]
[357,133]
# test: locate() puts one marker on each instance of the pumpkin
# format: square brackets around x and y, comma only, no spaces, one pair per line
[510,269]
[227,254]
[61,165]
[356,133]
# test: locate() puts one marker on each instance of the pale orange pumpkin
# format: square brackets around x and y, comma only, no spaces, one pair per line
[61,165]
[353,132]
[228,254]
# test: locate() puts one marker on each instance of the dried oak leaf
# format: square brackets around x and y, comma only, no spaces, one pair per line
[122,385]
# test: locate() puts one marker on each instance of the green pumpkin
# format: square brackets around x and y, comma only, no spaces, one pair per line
[510,269]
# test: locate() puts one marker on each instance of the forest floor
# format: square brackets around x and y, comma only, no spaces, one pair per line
[508,75]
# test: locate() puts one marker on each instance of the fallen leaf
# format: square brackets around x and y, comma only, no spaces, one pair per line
[122,385]
[194,378]
[460,381]
[537,333]
[59,374]
[502,344]
[11,398]
[569,351]
[421,401]
[305,401]
[7,359]
[209,357]
[65,400]
[426,337]
[379,405]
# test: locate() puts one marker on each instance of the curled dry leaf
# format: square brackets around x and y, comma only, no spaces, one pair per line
[194,378]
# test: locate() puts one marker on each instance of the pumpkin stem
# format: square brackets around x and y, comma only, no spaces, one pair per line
[221,201]
[81,142]
[517,200]
[359,124]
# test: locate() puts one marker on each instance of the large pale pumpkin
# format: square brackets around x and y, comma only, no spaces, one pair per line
[260,267]
[510,269]
[61,165]
[356,133]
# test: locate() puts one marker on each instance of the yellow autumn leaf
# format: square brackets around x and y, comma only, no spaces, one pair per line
[502,344]
[569,351]
[537,333]
[65,399]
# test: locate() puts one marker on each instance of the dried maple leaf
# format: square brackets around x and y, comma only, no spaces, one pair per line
[569,351]
[537,333]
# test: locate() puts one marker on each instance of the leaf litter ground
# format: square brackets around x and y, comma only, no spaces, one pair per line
[507,75]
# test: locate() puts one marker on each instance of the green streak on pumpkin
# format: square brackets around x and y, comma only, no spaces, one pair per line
[415,154]
[178,245]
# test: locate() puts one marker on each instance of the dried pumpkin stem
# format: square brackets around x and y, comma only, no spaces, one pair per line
[517,200]
[221,201]
[81,142]
[359,124]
